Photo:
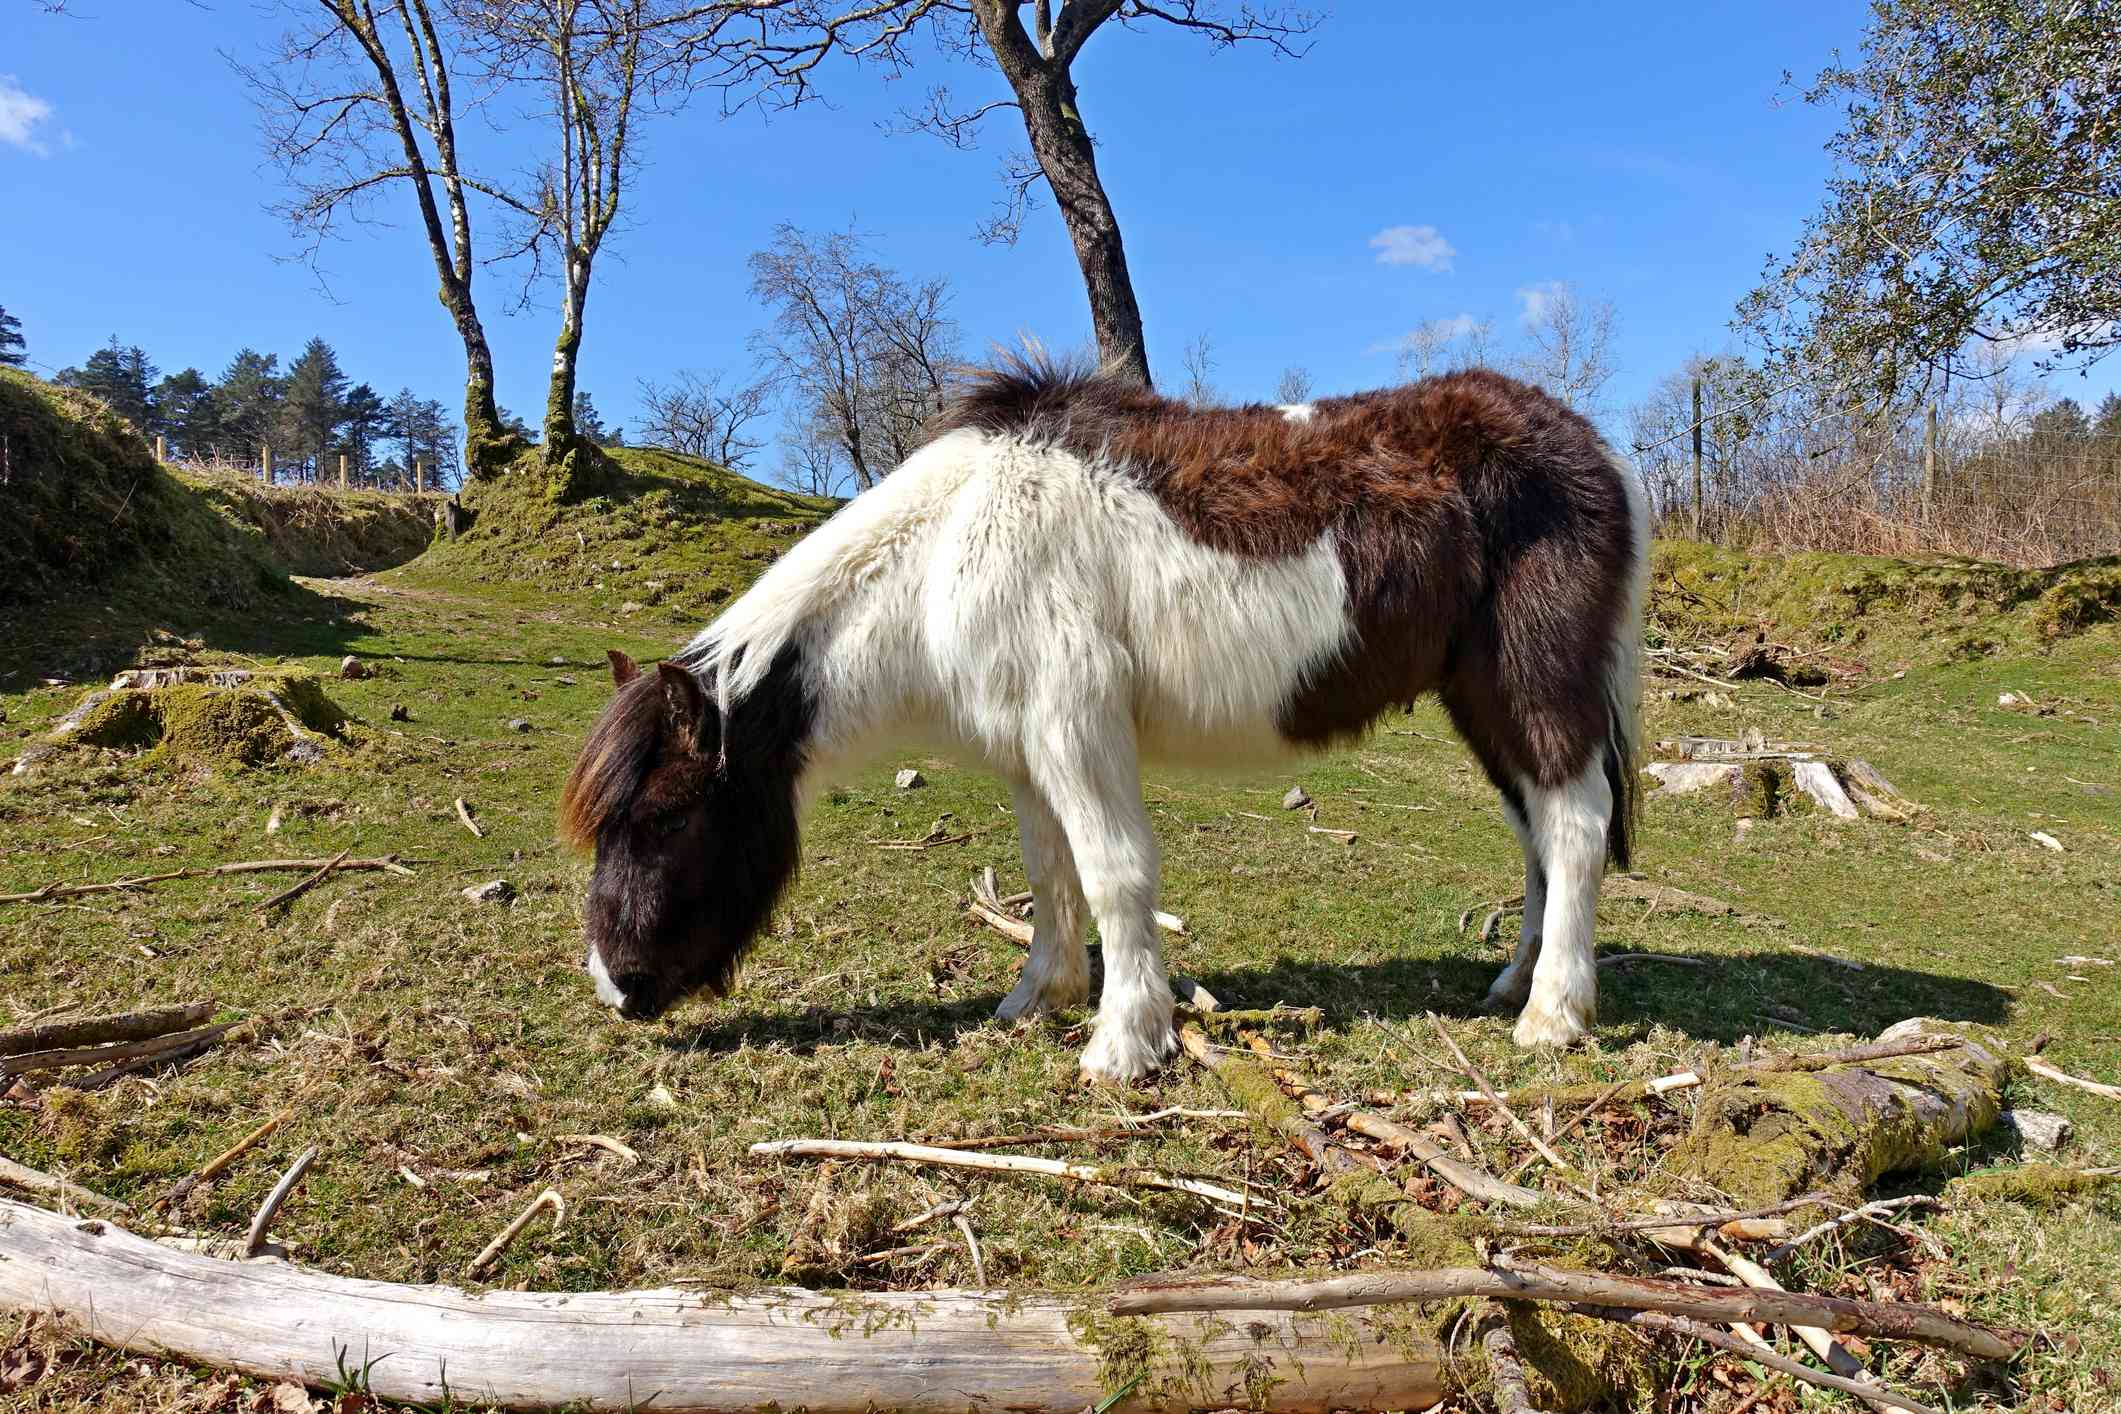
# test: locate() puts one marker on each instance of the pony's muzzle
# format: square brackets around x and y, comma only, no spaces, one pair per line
[636,996]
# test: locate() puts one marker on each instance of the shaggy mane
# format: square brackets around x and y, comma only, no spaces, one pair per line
[607,777]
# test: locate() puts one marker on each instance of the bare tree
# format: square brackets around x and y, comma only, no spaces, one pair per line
[1571,345]
[1295,385]
[342,126]
[853,345]
[811,458]
[695,415]
[1039,66]
[1199,361]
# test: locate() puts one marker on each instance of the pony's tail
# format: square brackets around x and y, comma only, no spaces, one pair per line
[1623,684]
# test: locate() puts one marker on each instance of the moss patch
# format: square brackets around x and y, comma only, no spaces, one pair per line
[246,723]
[2035,1185]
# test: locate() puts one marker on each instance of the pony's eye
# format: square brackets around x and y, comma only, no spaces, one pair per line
[670,824]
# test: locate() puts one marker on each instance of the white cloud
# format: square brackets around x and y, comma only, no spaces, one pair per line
[1537,299]
[20,112]
[1423,246]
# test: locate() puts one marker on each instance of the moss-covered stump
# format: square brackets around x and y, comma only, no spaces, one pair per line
[229,715]
[1766,1137]
[1766,780]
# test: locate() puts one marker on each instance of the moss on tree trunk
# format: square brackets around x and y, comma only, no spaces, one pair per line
[1765,1137]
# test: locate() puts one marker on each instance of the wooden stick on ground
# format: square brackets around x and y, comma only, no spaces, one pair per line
[1758,1354]
[103,1030]
[1117,1176]
[464,814]
[1512,1394]
[1868,1210]
[270,1208]
[1855,1055]
[1890,1319]
[1836,1355]
[31,1180]
[1481,1082]
[215,1166]
[2040,1067]
[388,863]
[288,895]
[112,1074]
[1242,1079]
[98,1055]
[550,1198]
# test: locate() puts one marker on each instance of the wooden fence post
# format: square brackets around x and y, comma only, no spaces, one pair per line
[419,475]
[1698,512]
[265,463]
[342,471]
[161,448]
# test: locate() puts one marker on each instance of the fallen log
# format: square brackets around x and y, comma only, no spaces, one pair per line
[1765,1136]
[100,1055]
[693,1350]
[1894,1320]
[103,1030]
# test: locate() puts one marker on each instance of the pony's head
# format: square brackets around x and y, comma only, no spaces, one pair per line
[693,822]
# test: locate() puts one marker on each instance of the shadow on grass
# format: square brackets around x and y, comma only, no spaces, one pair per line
[1718,997]
[90,632]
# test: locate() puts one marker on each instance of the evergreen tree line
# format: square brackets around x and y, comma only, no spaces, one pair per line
[310,414]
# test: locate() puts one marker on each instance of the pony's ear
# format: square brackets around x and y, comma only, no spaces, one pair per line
[623,669]
[684,709]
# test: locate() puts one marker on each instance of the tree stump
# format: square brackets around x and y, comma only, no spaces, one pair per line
[1764,777]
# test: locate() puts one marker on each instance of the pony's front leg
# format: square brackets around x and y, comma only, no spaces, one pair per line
[1057,974]
[1086,767]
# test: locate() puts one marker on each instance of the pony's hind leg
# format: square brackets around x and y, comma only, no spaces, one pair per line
[1515,984]
[1568,828]
[1057,974]
[1085,765]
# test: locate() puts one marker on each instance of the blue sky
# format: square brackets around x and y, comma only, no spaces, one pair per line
[1651,156]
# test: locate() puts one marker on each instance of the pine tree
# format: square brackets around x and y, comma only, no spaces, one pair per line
[13,351]
[588,422]
[189,413]
[249,402]
[313,404]
[361,423]
[123,377]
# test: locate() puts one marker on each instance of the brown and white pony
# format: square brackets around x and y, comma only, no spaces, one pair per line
[1075,576]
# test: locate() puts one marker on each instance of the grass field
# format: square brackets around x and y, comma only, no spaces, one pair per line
[413,1032]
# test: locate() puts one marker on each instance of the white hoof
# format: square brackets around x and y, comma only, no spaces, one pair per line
[1540,1026]
[1119,1054]
[1510,990]
[1033,995]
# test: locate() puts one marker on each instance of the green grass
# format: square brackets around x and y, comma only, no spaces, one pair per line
[411,1030]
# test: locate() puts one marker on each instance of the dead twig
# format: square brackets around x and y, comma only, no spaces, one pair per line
[1868,1210]
[550,1198]
[102,1030]
[270,1208]
[290,894]
[464,814]
[2062,1077]
[979,1262]
[388,863]
[600,1141]
[1833,1352]
[1760,1355]
[1886,1319]
[1110,1175]
[219,1163]
[1244,1079]
[1480,1081]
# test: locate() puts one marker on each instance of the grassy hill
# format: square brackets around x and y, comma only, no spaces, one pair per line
[672,535]
[412,1031]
